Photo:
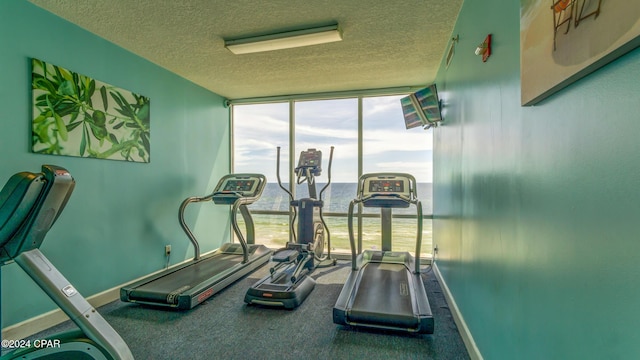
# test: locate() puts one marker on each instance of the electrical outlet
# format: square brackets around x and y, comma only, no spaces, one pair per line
[167,250]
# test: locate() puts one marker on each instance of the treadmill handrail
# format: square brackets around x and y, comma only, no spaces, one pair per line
[234,193]
[183,223]
[419,235]
[383,195]
[243,201]
[352,240]
[240,203]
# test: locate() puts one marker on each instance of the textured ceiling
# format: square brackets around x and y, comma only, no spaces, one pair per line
[386,43]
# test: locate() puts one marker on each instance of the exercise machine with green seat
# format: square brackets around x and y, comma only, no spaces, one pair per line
[30,203]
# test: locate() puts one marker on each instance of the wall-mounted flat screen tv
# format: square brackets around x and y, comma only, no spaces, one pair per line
[412,117]
[422,108]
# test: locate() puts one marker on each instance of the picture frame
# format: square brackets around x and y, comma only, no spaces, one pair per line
[76,115]
[562,41]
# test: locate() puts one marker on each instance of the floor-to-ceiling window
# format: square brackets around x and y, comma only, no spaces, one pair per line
[388,147]
[257,133]
[368,135]
[322,124]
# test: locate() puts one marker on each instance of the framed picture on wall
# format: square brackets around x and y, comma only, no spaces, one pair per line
[75,115]
[562,41]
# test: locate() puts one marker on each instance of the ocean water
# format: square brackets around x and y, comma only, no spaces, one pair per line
[336,198]
[273,230]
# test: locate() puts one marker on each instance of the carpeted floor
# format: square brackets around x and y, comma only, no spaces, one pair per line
[225,328]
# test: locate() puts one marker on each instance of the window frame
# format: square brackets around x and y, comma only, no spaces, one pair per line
[292,100]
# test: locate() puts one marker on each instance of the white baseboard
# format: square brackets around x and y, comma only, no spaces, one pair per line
[44,321]
[467,338]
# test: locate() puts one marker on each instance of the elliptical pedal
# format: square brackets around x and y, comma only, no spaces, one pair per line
[285,256]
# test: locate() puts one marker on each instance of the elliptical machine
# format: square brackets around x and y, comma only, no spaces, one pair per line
[289,283]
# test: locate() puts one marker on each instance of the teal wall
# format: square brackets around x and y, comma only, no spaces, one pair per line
[121,214]
[536,208]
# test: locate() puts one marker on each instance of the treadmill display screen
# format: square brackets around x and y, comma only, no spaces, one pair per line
[238,185]
[386,186]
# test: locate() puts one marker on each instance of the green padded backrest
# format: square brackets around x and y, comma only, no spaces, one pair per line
[17,199]
[29,205]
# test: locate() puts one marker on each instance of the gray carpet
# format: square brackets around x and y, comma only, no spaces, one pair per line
[225,328]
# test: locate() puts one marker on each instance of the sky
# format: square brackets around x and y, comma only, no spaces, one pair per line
[387,145]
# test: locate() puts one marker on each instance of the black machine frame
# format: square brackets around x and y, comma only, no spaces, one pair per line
[289,283]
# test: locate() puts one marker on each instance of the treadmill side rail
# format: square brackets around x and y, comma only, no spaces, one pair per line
[423,309]
[190,296]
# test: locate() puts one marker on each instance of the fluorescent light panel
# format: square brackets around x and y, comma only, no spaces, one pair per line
[285,40]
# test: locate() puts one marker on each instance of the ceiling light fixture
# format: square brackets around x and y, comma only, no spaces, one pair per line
[285,40]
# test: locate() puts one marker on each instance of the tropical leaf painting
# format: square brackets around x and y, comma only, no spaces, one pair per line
[76,115]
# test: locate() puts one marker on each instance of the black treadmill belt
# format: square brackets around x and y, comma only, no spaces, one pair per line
[383,297]
[185,278]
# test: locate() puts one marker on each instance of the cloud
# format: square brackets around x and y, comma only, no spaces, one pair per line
[260,128]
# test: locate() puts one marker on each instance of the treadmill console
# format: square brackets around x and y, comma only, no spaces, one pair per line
[310,159]
[386,186]
[240,186]
[236,186]
[386,190]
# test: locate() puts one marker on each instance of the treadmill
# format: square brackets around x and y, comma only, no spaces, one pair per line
[384,288]
[189,284]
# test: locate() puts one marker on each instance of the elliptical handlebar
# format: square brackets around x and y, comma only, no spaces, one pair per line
[307,177]
[278,176]
[326,228]
[295,212]
[328,173]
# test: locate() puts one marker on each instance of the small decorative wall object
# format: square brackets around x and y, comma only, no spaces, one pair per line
[75,115]
[484,49]
[452,49]
[562,41]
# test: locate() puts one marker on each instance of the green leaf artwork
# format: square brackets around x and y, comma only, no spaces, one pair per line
[75,115]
